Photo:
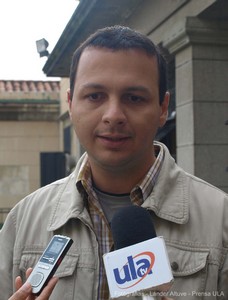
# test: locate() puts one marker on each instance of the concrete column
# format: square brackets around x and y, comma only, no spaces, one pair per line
[201,58]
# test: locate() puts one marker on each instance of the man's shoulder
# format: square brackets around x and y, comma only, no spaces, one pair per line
[205,192]
[204,183]
[53,186]
[46,195]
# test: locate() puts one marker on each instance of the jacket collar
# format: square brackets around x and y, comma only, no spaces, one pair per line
[169,199]
[69,203]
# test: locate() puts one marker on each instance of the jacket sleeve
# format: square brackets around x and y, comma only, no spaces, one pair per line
[223,275]
[7,238]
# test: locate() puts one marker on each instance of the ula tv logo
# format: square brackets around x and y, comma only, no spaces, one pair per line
[134,270]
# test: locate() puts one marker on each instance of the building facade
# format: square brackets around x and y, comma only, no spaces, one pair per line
[29,126]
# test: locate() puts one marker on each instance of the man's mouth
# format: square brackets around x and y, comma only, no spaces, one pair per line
[114,140]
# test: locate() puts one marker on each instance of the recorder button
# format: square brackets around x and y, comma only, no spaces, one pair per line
[42,266]
[36,279]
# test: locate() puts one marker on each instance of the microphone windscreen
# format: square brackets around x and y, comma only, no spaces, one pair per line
[131,225]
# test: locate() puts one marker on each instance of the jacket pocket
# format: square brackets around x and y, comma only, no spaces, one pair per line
[66,268]
[189,268]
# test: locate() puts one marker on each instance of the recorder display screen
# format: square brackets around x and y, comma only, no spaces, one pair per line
[52,252]
[55,247]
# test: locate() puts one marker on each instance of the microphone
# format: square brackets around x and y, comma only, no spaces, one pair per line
[139,264]
[131,225]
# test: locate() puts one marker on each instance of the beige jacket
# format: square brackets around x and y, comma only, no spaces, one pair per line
[191,215]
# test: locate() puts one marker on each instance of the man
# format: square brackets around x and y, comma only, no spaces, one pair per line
[117,101]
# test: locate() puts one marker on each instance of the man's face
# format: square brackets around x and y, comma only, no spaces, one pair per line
[115,108]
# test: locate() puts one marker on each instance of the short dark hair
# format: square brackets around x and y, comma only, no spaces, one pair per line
[121,38]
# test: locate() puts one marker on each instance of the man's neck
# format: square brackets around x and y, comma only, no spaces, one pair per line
[115,182]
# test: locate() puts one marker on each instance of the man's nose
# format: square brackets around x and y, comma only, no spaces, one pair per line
[114,113]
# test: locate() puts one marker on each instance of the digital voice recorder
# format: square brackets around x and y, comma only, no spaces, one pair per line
[49,262]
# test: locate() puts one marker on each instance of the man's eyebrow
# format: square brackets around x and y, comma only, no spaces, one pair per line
[92,86]
[134,88]
[138,88]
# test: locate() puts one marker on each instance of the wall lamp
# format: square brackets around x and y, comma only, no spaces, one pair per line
[41,46]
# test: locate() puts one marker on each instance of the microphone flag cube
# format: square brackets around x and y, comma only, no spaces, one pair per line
[138,268]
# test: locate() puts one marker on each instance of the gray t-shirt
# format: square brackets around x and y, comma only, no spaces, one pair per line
[110,203]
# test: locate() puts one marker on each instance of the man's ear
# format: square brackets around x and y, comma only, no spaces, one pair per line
[164,109]
[69,101]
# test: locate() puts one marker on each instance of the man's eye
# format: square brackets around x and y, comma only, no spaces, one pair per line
[135,98]
[95,96]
